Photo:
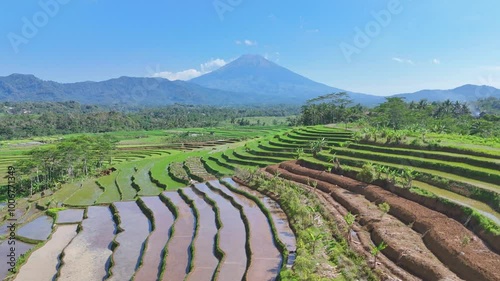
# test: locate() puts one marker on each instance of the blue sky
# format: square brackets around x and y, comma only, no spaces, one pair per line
[408,45]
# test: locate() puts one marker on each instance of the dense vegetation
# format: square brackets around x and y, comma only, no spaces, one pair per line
[25,120]
[396,114]
[50,165]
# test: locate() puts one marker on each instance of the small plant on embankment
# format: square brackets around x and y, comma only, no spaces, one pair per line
[322,251]
[349,220]
[53,212]
[314,238]
[317,145]
[408,174]
[385,208]
[299,152]
[465,240]
[375,251]
[368,173]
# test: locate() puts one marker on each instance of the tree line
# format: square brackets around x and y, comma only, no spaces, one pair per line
[25,120]
[397,114]
[66,160]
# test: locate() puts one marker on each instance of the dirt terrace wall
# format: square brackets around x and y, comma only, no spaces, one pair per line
[450,209]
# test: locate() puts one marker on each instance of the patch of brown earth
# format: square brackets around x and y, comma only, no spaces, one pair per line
[361,242]
[404,245]
[456,246]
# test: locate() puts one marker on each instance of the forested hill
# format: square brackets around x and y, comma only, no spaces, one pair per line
[126,91]
[465,93]
[24,120]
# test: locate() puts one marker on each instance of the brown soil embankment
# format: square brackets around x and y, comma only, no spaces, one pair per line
[404,246]
[456,246]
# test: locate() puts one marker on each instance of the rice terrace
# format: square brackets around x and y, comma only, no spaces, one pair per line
[262,203]
[232,140]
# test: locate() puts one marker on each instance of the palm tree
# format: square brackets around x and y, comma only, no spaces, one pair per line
[380,169]
[423,104]
[408,174]
[317,146]
[393,174]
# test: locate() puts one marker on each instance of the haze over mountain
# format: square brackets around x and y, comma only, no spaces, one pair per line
[250,79]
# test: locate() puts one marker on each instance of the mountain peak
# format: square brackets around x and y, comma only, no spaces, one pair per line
[471,86]
[22,76]
[251,60]
[255,75]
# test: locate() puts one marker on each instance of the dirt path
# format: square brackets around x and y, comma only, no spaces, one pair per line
[471,260]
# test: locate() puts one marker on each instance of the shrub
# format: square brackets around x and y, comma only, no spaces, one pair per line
[317,146]
[367,173]
[384,207]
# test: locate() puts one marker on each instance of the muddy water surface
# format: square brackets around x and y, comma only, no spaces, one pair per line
[481,207]
[157,241]
[285,233]
[204,261]
[70,216]
[232,237]
[136,227]
[87,256]
[20,248]
[38,229]
[178,258]
[266,259]
[42,264]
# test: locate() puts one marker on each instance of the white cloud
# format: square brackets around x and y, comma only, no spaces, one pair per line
[246,42]
[250,42]
[212,65]
[181,75]
[312,31]
[436,61]
[188,74]
[401,60]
